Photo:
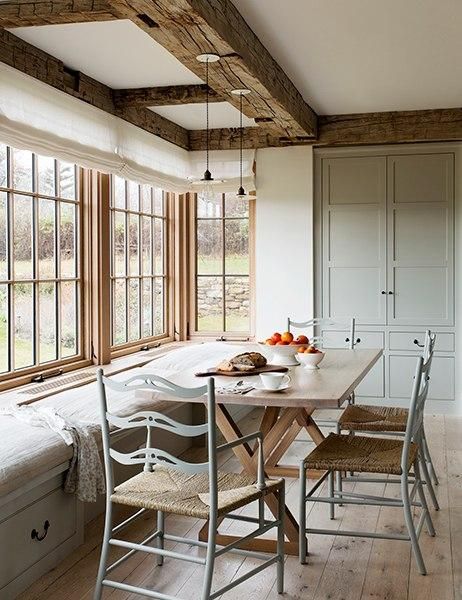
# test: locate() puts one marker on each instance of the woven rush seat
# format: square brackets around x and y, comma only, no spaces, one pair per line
[358,453]
[173,491]
[373,418]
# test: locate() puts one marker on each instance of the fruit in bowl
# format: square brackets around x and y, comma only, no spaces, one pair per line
[283,347]
[310,357]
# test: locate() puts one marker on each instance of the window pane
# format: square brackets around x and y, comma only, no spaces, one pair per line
[209,247]
[133,310]
[209,304]
[22,170]
[159,246]
[210,208]
[3,166]
[146,223]
[133,244]
[46,175]
[68,319]
[133,196]
[119,311]
[146,199]
[47,322]
[67,234]
[236,207]
[147,308]
[118,240]
[237,246]
[23,325]
[237,302]
[46,238]
[158,202]
[118,192]
[4,343]
[67,181]
[3,236]
[23,239]
[159,304]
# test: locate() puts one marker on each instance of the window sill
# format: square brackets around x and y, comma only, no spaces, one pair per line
[20,395]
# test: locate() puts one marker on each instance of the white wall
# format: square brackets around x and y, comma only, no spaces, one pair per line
[284,237]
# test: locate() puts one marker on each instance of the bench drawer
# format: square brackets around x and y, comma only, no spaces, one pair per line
[24,550]
[406,340]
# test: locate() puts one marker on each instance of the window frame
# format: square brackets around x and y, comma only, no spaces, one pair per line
[20,376]
[149,342]
[193,332]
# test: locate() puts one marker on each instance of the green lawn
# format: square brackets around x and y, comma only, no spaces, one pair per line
[215,323]
[235,265]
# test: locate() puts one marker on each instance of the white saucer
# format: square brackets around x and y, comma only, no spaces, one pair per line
[261,388]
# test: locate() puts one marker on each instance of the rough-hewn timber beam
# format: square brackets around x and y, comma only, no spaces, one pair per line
[27,13]
[229,139]
[168,95]
[187,28]
[436,125]
[34,62]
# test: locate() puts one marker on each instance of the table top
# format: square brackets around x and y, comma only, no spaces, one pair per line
[327,387]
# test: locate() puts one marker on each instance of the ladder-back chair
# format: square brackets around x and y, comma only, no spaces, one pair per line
[386,456]
[168,484]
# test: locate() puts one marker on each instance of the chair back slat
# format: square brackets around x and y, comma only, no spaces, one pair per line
[159,421]
[154,383]
[348,325]
[161,457]
[414,426]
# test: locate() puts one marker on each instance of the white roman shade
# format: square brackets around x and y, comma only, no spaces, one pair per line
[40,118]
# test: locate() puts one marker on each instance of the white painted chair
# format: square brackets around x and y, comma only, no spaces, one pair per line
[319,323]
[371,454]
[168,484]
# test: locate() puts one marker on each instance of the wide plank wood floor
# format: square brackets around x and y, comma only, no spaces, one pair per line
[339,568]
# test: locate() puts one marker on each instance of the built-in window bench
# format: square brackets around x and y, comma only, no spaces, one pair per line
[33,464]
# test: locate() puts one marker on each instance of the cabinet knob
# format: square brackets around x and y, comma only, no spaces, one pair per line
[391,293]
[383,292]
[35,535]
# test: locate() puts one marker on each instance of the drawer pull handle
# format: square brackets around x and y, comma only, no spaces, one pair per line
[416,342]
[358,340]
[35,535]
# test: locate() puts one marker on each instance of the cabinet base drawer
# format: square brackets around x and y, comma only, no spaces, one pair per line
[442,376]
[414,340]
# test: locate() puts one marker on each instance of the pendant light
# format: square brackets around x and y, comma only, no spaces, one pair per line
[241,92]
[207,181]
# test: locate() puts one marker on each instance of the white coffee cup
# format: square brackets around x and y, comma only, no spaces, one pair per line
[273,381]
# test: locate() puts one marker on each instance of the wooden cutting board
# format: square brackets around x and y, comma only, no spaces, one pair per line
[266,369]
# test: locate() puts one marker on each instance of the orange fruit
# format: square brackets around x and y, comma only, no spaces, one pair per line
[276,337]
[269,342]
[302,349]
[302,339]
[282,343]
[294,343]
[287,337]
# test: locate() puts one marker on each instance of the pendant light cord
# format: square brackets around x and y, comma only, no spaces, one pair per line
[207,111]
[241,138]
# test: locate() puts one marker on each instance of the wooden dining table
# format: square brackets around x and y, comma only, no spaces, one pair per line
[285,415]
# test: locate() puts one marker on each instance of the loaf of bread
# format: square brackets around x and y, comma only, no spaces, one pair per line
[249,361]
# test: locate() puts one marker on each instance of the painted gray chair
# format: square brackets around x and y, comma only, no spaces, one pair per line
[168,484]
[362,454]
[347,325]
[388,420]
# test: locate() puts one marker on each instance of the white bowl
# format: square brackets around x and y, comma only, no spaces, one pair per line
[282,356]
[310,360]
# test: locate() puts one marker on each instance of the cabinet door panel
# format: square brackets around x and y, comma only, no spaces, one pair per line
[420,239]
[401,374]
[354,250]
[373,385]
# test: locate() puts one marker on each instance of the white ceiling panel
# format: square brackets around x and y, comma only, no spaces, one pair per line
[192,116]
[365,55]
[117,53]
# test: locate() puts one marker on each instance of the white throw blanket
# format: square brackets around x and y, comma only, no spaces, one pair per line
[85,475]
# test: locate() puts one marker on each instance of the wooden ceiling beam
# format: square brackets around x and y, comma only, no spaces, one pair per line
[32,61]
[438,125]
[27,13]
[170,95]
[253,137]
[187,28]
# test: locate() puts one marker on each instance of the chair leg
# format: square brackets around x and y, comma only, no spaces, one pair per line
[330,481]
[410,524]
[210,558]
[423,500]
[280,542]
[160,538]
[302,543]
[428,459]
[428,481]
[104,551]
